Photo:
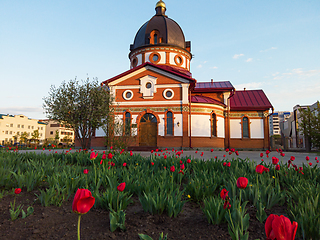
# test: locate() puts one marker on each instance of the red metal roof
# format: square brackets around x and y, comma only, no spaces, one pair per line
[203,99]
[162,67]
[213,86]
[249,100]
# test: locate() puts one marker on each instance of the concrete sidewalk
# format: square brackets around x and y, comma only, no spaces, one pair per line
[300,157]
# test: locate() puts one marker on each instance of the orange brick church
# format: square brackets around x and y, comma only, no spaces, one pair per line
[164,106]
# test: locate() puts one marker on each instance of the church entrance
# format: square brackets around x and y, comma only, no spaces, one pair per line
[148,130]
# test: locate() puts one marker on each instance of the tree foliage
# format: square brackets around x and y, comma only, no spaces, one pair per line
[309,126]
[83,107]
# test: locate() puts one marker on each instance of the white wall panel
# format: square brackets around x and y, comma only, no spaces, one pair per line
[161,125]
[235,128]
[100,132]
[200,126]
[178,130]
[256,128]
[220,127]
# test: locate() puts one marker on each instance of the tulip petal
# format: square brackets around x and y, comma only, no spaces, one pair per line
[282,228]
[268,225]
[85,204]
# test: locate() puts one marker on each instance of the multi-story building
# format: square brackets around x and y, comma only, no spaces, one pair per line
[56,132]
[19,128]
[276,121]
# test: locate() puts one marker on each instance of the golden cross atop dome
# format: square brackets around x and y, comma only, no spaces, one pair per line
[160,4]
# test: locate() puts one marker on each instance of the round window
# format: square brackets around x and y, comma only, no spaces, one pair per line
[155,57]
[168,94]
[148,85]
[134,62]
[178,60]
[127,95]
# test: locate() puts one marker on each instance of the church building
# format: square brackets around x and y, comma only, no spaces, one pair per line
[161,104]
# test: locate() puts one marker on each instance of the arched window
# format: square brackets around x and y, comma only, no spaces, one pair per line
[155,38]
[245,127]
[127,124]
[169,123]
[213,125]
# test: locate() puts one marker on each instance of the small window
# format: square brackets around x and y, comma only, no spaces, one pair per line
[213,125]
[168,94]
[155,57]
[10,132]
[22,126]
[51,132]
[6,132]
[245,127]
[41,128]
[11,125]
[127,95]
[28,127]
[18,133]
[127,124]
[169,123]
[18,125]
[178,60]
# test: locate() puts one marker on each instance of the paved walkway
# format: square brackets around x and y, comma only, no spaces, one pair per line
[300,157]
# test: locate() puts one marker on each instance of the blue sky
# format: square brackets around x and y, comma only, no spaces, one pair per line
[271,45]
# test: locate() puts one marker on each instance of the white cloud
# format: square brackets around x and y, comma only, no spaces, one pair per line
[214,67]
[199,66]
[297,72]
[236,56]
[249,60]
[266,50]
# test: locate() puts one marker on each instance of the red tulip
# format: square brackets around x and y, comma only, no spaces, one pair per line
[93,156]
[230,153]
[224,156]
[316,158]
[260,169]
[282,154]
[172,168]
[307,158]
[275,160]
[101,162]
[224,164]
[211,150]
[17,190]
[278,167]
[85,171]
[83,201]
[152,163]
[310,163]
[280,227]
[188,161]
[43,149]
[228,164]
[111,147]
[165,156]
[121,187]
[267,152]
[109,155]
[151,151]
[196,151]
[182,166]
[226,205]
[104,156]
[124,164]
[157,150]
[261,155]
[131,153]
[224,193]
[181,172]
[242,182]
[317,161]
[237,153]
[201,154]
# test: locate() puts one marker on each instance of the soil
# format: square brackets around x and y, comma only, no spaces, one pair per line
[61,223]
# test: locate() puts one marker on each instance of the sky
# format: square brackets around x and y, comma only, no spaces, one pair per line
[271,45]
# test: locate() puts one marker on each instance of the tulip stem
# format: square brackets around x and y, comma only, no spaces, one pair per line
[79,226]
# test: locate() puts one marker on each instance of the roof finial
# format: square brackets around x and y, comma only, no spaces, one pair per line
[160,8]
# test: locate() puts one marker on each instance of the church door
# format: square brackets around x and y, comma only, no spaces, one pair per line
[148,130]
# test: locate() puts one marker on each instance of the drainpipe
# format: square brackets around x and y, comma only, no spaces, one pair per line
[228,115]
[272,111]
[190,117]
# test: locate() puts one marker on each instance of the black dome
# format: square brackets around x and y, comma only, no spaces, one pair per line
[169,31]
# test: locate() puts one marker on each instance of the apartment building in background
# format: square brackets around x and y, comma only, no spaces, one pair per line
[276,121]
[13,127]
[56,132]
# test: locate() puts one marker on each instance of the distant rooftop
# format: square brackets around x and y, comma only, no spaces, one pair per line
[249,100]
[213,86]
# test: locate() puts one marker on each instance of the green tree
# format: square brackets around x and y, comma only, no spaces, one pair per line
[309,126]
[35,135]
[56,137]
[23,137]
[83,107]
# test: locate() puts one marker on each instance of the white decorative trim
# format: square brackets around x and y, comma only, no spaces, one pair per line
[165,92]
[125,93]
[145,103]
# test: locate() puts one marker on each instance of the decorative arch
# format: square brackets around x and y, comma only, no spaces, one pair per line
[155,37]
[147,111]
[169,123]
[213,124]
[127,121]
[148,130]
[245,127]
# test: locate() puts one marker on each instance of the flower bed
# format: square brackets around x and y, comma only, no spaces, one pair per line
[170,193]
